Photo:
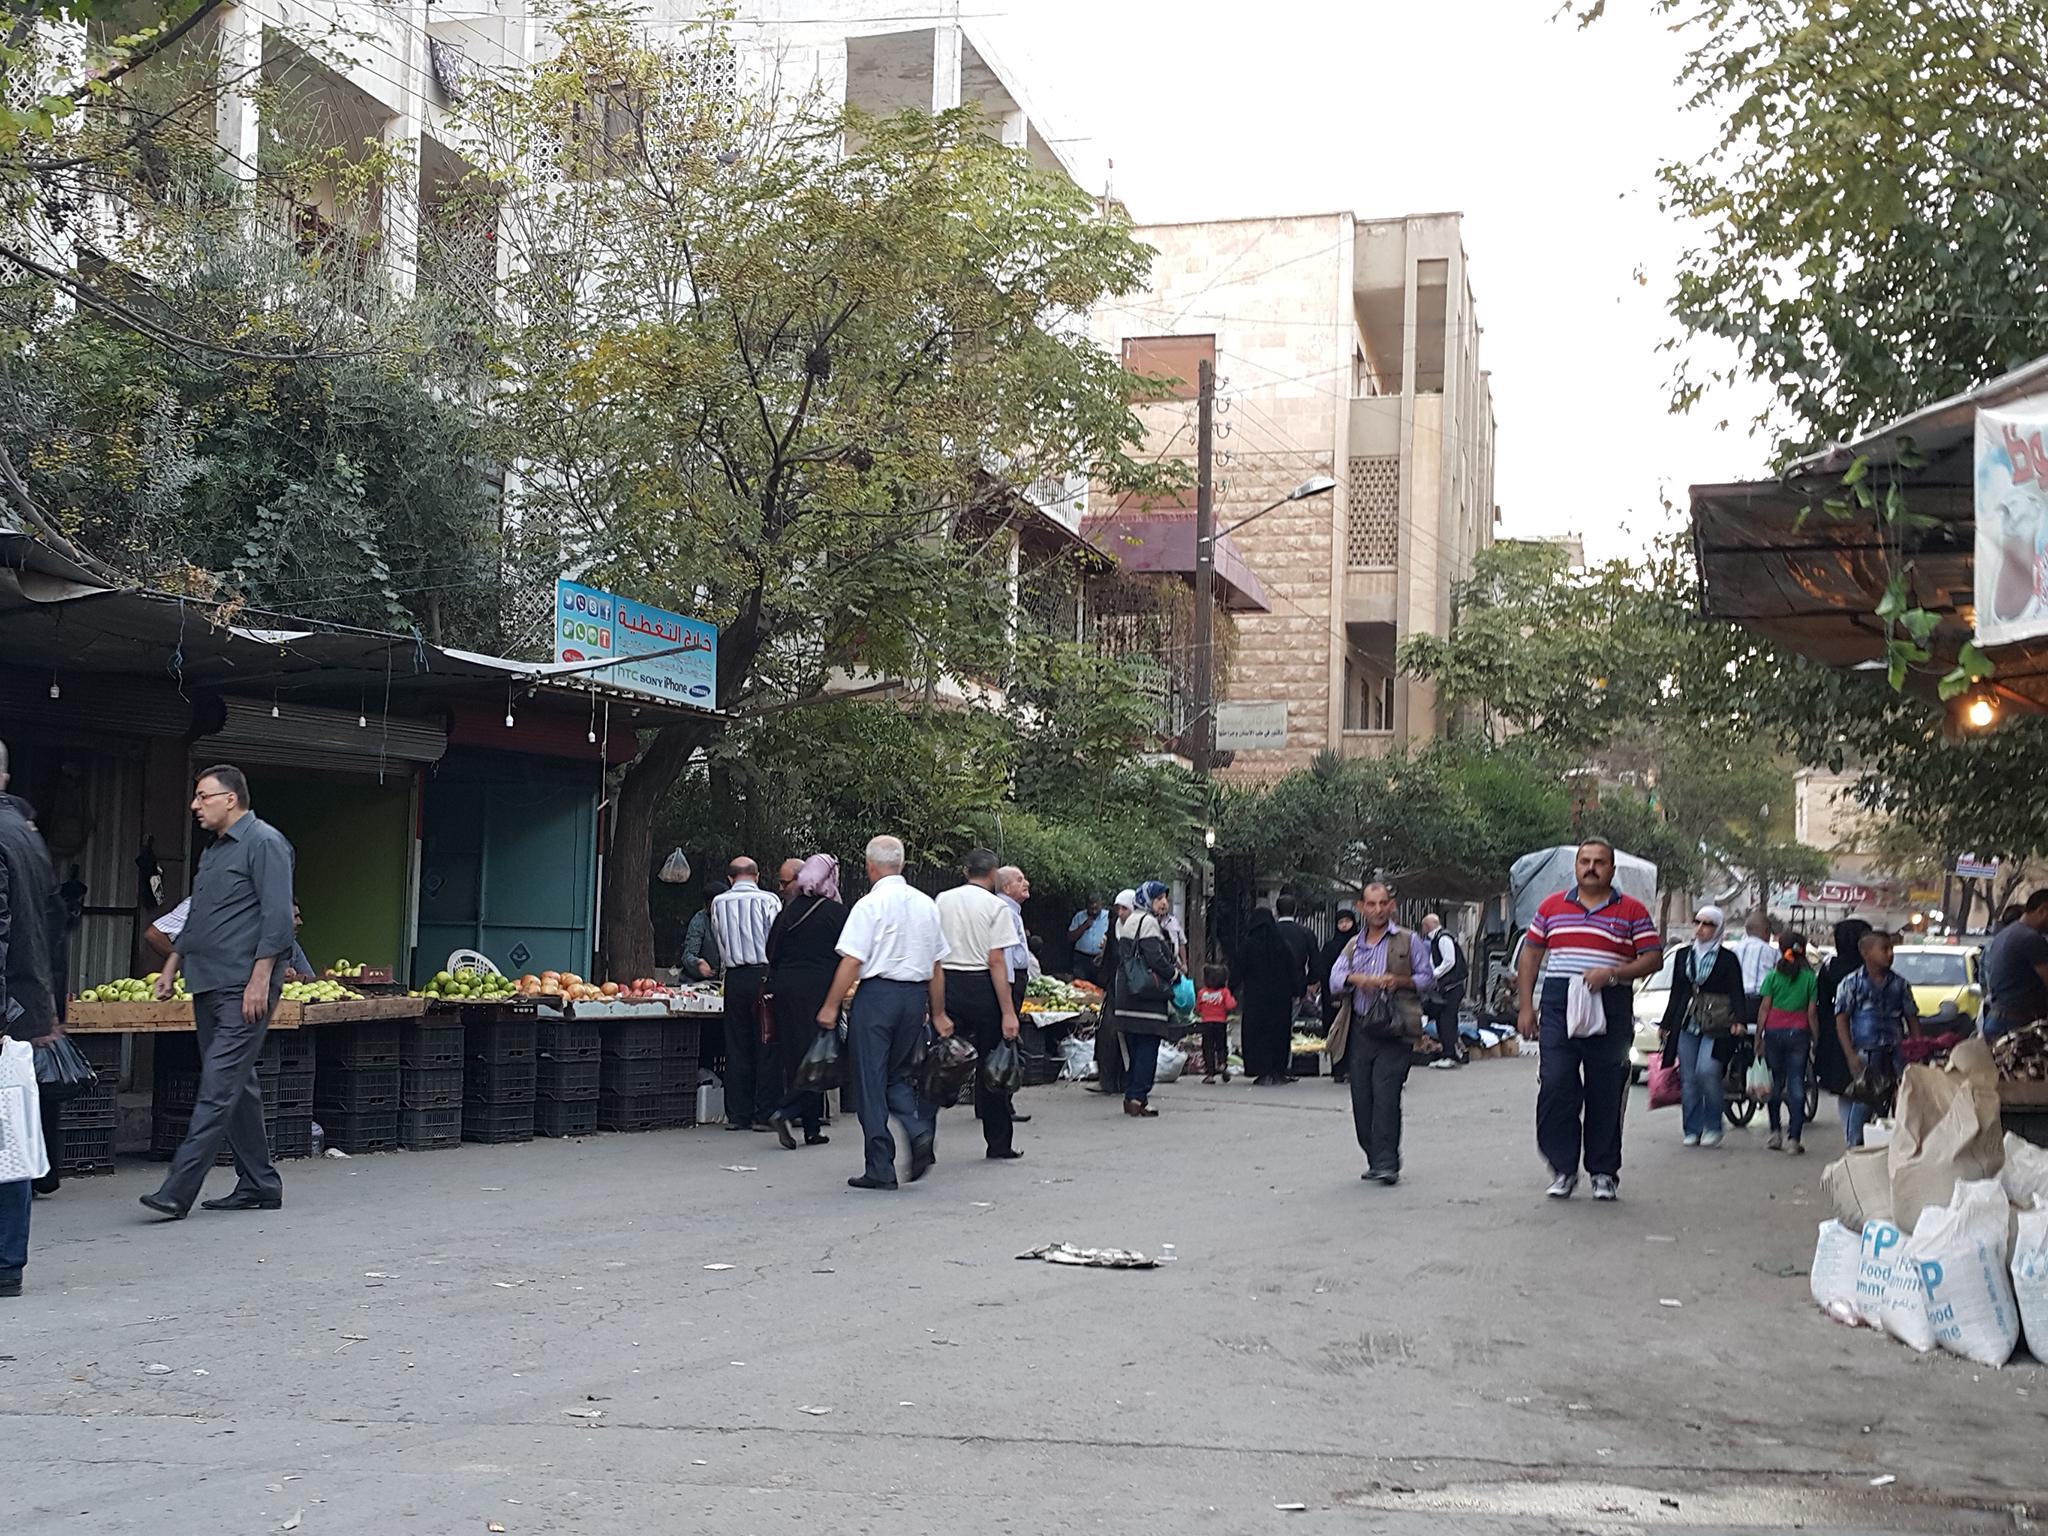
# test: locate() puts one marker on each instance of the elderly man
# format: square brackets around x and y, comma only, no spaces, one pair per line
[980,929]
[232,949]
[1015,889]
[1447,960]
[893,946]
[741,916]
[785,879]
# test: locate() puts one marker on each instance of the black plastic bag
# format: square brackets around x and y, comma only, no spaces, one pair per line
[1003,1068]
[62,1072]
[820,1071]
[944,1070]
[1874,1089]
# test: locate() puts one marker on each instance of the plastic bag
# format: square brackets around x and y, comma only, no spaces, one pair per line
[1077,1059]
[1889,1291]
[944,1070]
[1172,1062]
[819,1071]
[1757,1085]
[1837,1257]
[675,869]
[2030,1277]
[62,1072]
[22,1155]
[1583,1015]
[1959,1252]
[1665,1086]
[1002,1069]
[2025,1177]
[1948,1130]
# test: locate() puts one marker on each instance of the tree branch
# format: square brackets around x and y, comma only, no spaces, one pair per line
[18,492]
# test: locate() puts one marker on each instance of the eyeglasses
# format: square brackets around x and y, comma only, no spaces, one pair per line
[211,794]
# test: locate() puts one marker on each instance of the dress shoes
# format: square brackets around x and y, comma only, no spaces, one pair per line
[922,1156]
[240,1201]
[1006,1156]
[783,1133]
[864,1182]
[164,1207]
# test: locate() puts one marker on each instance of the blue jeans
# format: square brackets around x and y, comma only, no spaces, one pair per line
[1879,1052]
[883,1027]
[1699,1080]
[1785,1053]
[15,1200]
[1143,1070]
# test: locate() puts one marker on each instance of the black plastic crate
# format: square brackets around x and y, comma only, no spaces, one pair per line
[167,1134]
[430,1130]
[176,1086]
[681,1037]
[678,1110]
[568,1039]
[430,1087]
[99,1103]
[499,1082]
[629,1078]
[372,1043]
[357,1132]
[175,1052]
[499,1041]
[497,1123]
[295,1049]
[679,1074]
[103,1052]
[636,1112]
[87,1151]
[565,1117]
[291,1135]
[354,1090]
[288,1093]
[566,1080]
[429,1044]
[634,1039]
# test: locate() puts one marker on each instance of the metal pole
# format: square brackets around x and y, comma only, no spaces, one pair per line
[1202,715]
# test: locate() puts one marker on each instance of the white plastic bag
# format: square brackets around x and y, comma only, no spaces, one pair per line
[2030,1277]
[1837,1256]
[1171,1060]
[22,1155]
[1583,1015]
[2025,1175]
[675,869]
[1960,1254]
[1889,1291]
[1077,1059]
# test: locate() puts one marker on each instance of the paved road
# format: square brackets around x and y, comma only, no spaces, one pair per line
[420,1343]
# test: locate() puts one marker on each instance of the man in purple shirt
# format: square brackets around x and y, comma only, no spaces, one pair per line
[1386,969]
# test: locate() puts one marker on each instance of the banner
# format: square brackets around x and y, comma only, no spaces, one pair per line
[660,653]
[2012,522]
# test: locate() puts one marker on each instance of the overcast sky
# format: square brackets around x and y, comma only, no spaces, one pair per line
[1545,137]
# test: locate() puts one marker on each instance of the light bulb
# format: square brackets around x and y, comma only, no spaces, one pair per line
[362,722]
[55,691]
[592,738]
[273,709]
[1980,713]
[508,719]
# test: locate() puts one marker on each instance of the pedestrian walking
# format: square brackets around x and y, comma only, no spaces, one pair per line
[1830,1062]
[1269,979]
[1787,1025]
[701,960]
[803,952]
[786,877]
[1702,1018]
[1344,927]
[1086,934]
[232,950]
[893,947]
[1146,972]
[2016,970]
[1756,953]
[1386,969]
[1447,962]
[1014,886]
[32,925]
[1874,1012]
[1301,942]
[741,916]
[1605,939]
[1109,1045]
[1214,1004]
[979,929]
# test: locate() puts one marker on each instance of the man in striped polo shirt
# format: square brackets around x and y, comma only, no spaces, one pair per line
[1606,939]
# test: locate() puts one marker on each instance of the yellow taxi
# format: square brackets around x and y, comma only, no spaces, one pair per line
[1942,973]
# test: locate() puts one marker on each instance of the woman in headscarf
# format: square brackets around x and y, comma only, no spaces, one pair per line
[1267,980]
[1701,1020]
[1146,970]
[1109,1047]
[1828,1060]
[803,952]
[1345,930]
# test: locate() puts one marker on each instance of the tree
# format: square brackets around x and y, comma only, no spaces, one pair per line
[787,369]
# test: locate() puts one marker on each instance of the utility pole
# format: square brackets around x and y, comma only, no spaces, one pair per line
[1202,711]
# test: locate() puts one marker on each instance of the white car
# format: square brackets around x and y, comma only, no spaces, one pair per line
[1652,994]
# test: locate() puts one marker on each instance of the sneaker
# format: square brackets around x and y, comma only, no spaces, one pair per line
[1443,1064]
[1692,1138]
[1211,1078]
[1711,1139]
[1777,1141]
[1796,1147]
[1606,1187]
[1562,1186]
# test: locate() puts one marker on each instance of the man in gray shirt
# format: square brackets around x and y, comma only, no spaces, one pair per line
[232,950]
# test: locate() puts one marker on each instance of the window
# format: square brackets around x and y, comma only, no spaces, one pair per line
[1175,358]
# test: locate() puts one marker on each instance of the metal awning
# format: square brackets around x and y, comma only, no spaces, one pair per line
[1165,546]
[1772,559]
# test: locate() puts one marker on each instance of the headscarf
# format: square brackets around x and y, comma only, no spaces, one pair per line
[819,877]
[1347,926]
[1141,909]
[1150,892]
[1706,951]
[1126,898]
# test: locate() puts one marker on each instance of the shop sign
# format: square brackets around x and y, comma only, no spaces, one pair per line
[1251,727]
[1977,869]
[2012,522]
[1830,893]
[659,653]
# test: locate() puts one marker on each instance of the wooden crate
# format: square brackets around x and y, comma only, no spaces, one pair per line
[153,1018]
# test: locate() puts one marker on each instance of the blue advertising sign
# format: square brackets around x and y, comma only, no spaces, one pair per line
[660,653]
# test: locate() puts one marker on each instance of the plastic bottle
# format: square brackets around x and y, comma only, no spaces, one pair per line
[319,1139]
[1166,1253]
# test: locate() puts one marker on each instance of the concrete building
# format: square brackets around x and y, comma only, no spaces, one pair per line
[1348,347]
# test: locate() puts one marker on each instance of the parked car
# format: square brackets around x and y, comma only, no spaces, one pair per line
[1653,992]
[1942,973]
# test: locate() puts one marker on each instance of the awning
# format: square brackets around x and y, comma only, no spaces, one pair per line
[1165,546]
[1774,560]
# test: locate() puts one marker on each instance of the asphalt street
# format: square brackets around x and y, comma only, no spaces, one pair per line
[700,1332]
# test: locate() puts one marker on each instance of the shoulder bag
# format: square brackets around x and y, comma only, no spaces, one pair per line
[1711,1013]
[1139,983]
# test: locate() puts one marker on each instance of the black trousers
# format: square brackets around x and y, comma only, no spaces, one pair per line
[53,1142]
[977,1012]
[1444,1009]
[1378,1070]
[230,1103]
[752,1073]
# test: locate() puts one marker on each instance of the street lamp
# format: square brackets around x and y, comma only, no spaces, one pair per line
[1314,485]
[1980,713]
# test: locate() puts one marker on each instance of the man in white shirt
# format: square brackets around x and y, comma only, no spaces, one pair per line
[980,928]
[1757,954]
[1015,889]
[893,945]
[741,916]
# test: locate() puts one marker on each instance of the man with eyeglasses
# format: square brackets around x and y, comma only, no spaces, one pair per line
[233,950]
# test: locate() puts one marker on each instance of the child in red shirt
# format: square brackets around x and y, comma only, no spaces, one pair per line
[1213,1007]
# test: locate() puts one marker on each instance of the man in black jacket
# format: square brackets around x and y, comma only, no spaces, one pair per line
[1301,943]
[31,922]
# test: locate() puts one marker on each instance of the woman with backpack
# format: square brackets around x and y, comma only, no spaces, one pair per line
[1701,1022]
[1145,973]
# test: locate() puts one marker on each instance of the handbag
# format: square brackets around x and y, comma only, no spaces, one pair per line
[22,1154]
[819,1071]
[1665,1087]
[1140,985]
[1710,1013]
[764,1015]
[62,1072]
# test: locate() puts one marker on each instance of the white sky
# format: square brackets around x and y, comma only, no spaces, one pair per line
[1545,137]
